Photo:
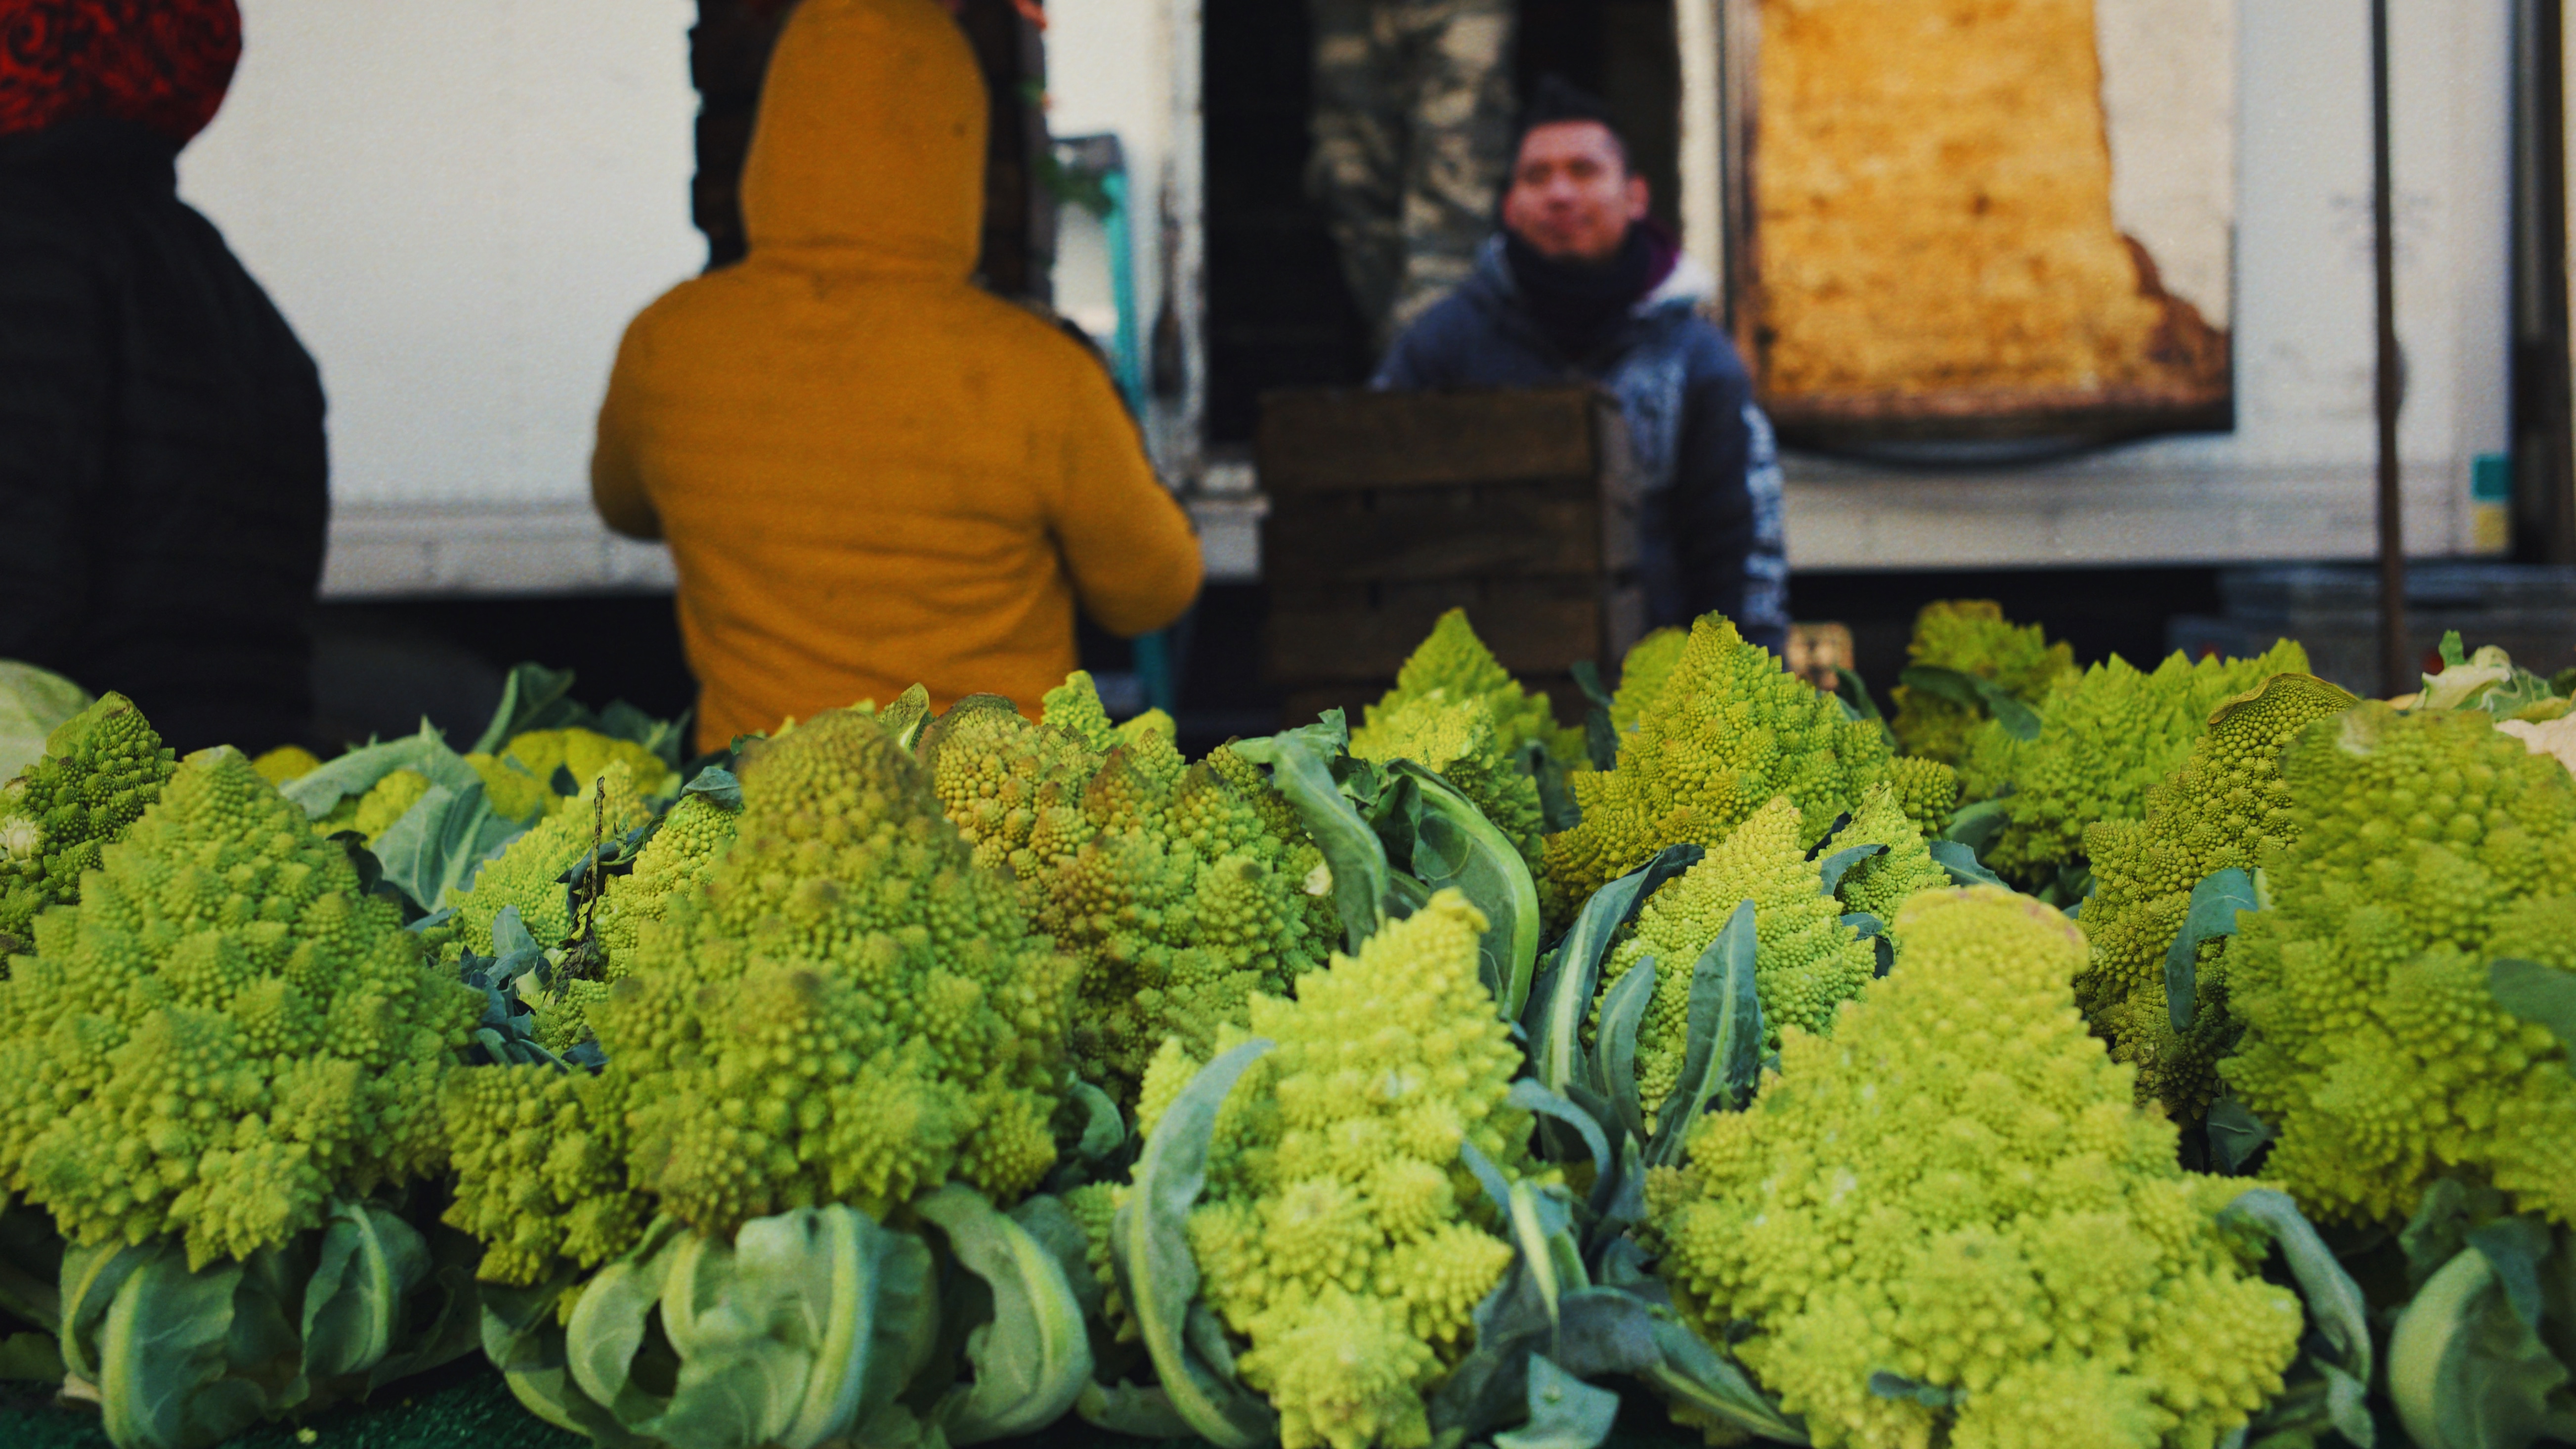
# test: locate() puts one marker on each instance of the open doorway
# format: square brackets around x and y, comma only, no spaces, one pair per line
[1278,311]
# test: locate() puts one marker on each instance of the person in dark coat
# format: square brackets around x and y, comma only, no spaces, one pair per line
[1582,285]
[162,467]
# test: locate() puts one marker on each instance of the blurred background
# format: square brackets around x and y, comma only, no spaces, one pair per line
[459,206]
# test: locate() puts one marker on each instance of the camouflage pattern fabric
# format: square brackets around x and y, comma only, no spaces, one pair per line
[1412,130]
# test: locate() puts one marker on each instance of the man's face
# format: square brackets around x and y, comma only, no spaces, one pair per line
[1572,195]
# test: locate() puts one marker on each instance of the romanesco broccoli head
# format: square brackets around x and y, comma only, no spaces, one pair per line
[693,836]
[224,1034]
[1882,884]
[541,1157]
[520,781]
[1956,1188]
[528,871]
[849,1009]
[2428,844]
[1806,961]
[1453,661]
[101,769]
[1971,636]
[372,813]
[286,762]
[1181,888]
[2218,811]
[1730,730]
[1927,791]
[1642,672]
[1456,740]
[1337,1232]
[2106,737]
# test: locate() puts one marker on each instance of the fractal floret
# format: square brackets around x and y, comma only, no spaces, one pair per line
[528,872]
[682,854]
[522,784]
[1457,740]
[2428,845]
[1881,884]
[1341,1231]
[372,813]
[224,1034]
[1642,672]
[1806,961]
[1452,661]
[849,1009]
[1182,888]
[2217,812]
[1729,731]
[2106,737]
[1957,1190]
[101,769]
[1973,637]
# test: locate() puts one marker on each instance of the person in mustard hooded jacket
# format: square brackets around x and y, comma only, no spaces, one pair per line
[871,472]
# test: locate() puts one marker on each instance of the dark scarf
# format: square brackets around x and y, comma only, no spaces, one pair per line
[1580,306]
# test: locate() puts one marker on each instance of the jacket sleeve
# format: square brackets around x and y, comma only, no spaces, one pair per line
[1725,505]
[1125,540]
[55,373]
[616,483]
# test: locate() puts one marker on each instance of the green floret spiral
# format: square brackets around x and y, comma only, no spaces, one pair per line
[101,769]
[849,1009]
[224,1034]
[1956,1189]
[1729,731]
[2428,844]
[2219,811]
[2106,738]
[1452,662]
[1973,637]
[528,871]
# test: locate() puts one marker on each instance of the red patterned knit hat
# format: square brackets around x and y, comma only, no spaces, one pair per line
[164,63]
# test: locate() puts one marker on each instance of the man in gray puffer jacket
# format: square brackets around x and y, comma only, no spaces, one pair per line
[1581,285]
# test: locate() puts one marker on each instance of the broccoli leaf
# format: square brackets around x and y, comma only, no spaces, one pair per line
[1299,770]
[1564,1411]
[1974,693]
[2235,1134]
[433,851]
[1614,1044]
[2466,1371]
[1562,1001]
[358,771]
[2329,1394]
[1150,1250]
[2214,904]
[1723,1053]
[1455,846]
[1960,860]
[1033,1357]
[533,697]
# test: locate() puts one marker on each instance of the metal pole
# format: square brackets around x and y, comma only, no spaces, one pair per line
[2398,672]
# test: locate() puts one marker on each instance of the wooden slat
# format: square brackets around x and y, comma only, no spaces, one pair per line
[1336,439]
[1529,634]
[1514,533]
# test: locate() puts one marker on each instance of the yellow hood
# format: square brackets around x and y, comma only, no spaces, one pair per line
[869,151]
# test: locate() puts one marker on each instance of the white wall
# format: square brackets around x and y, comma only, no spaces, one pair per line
[459,206]
[2295,479]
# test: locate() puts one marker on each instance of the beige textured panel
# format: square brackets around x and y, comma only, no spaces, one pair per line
[1933,214]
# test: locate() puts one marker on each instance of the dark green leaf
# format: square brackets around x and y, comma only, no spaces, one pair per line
[2214,905]
[533,697]
[1976,826]
[1886,1385]
[1034,1357]
[1587,677]
[1712,1385]
[1556,807]
[165,1378]
[352,1306]
[1961,862]
[1140,1413]
[1721,1058]
[2454,654]
[1614,1044]
[1564,1411]
[2537,993]
[1600,732]
[31,1356]
[2335,1307]
[1351,849]
[2235,1135]
[1840,863]
[2515,1246]
[2017,719]
[434,850]
[360,770]
[1556,1027]
[2466,1372]
[1854,692]
[719,785]
[31,1265]
[1156,1273]
[1456,847]
[1530,1095]
[1944,684]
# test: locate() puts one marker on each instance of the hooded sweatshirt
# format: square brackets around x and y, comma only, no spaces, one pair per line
[871,472]
[162,474]
[1709,531]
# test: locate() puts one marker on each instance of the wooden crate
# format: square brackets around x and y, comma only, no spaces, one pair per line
[1387,509]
